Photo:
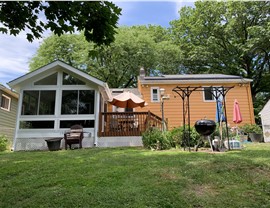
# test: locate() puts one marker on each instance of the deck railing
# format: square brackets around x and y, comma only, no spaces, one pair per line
[127,123]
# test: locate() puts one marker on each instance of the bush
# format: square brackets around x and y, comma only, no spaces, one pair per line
[3,143]
[154,138]
[177,137]
[251,128]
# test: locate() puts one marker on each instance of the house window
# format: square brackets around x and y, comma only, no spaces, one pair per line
[154,94]
[49,80]
[5,102]
[211,93]
[38,102]
[78,102]
[83,123]
[70,80]
[36,124]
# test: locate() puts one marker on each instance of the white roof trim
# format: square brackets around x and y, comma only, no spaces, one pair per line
[105,92]
[29,75]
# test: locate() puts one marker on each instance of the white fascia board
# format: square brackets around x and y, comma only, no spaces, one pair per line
[29,75]
[105,92]
[16,82]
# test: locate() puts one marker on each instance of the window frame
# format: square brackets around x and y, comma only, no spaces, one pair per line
[78,91]
[22,112]
[213,98]
[9,102]
[152,95]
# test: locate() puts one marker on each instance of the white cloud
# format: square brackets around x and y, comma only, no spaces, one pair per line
[15,54]
[180,4]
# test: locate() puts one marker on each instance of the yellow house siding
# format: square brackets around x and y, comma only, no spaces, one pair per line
[199,108]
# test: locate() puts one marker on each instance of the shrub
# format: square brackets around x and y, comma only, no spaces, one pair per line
[176,137]
[3,143]
[154,138]
[251,128]
[194,136]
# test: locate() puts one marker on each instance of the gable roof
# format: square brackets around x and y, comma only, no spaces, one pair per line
[51,66]
[103,87]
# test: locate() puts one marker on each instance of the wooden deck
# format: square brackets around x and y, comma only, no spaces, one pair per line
[127,123]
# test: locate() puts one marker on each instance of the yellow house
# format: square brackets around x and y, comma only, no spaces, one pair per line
[164,98]
[175,100]
[202,103]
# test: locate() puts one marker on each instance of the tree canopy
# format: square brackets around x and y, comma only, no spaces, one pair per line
[97,19]
[231,37]
[226,37]
[119,63]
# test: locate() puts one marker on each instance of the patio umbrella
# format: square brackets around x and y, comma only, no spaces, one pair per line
[237,117]
[127,100]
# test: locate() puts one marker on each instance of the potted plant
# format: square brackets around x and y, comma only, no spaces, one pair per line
[253,131]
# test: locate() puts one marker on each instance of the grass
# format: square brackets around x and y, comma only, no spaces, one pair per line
[135,177]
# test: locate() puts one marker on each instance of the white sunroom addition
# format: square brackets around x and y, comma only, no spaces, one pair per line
[52,99]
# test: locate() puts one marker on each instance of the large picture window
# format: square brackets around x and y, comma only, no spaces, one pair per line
[38,102]
[78,102]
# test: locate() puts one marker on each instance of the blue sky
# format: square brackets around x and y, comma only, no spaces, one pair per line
[15,52]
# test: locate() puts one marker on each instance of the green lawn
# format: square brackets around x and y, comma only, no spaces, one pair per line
[135,177]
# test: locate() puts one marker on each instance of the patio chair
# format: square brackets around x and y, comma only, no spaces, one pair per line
[74,136]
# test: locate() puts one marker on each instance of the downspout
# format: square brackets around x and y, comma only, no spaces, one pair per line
[97,110]
[19,108]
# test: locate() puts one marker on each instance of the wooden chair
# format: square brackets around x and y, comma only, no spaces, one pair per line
[74,136]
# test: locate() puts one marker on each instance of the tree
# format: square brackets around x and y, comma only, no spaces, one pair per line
[70,48]
[226,37]
[97,19]
[117,64]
